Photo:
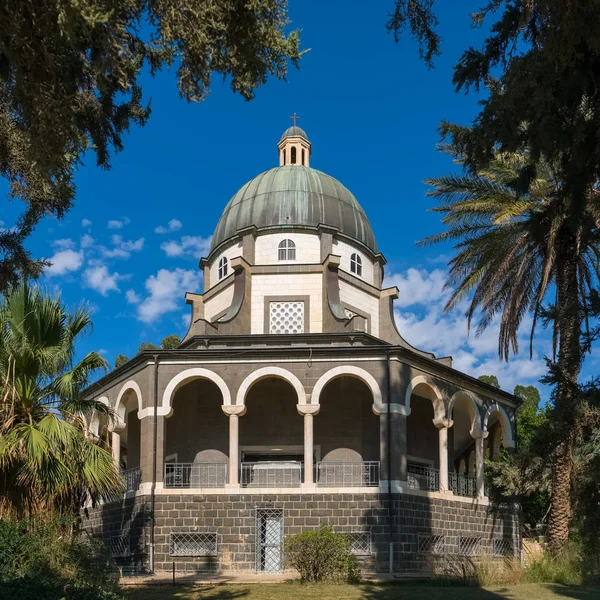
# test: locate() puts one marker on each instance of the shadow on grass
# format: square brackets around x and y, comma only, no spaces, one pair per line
[589,591]
[187,592]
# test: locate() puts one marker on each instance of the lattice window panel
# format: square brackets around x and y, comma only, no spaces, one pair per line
[432,544]
[286,317]
[269,539]
[193,544]
[119,546]
[469,546]
[503,547]
[360,542]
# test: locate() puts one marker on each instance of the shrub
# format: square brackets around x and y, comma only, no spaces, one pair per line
[566,568]
[44,560]
[321,555]
[490,571]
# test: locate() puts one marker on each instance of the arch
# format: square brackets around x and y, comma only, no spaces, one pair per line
[507,432]
[286,250]
[93,424]
[190,374]
[222,267]
[119,409]
[356,264]
[437,400]
[303,163]
[351,371]
[472,407]
[265,373]
[284,157]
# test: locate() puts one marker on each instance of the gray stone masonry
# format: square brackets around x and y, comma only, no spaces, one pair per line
[233,519]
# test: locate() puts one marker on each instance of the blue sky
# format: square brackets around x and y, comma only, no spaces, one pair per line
[130,246]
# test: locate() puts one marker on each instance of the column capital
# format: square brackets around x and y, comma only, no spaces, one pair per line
[308,409]
[443,423]
[238,410]
[479,433]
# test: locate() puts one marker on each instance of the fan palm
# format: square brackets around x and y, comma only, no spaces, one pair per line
[514,250]
[46,458]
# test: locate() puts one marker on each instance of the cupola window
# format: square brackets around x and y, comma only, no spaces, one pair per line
[223,267]
[286,250]
[356,264]
[293,153]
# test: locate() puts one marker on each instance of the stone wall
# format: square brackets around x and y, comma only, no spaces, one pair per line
[233,519]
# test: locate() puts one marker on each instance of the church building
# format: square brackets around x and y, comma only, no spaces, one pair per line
[294,401]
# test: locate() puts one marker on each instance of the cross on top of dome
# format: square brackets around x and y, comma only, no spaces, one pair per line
[294,147]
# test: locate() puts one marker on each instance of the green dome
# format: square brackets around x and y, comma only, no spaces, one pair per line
[290,197]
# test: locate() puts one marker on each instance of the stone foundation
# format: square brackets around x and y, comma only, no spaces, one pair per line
[423,529]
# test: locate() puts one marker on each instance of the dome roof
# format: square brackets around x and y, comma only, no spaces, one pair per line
[294,130]
[294,196]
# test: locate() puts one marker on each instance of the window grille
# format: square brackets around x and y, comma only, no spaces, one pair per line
[286,250]
[432,544]
[360,542]
[469,546]
[119,546]
[269,539]
[223,267]
[503,547]
[193,544]
[356,264]
[286,317]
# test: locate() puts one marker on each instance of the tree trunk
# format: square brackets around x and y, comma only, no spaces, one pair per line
[569,363]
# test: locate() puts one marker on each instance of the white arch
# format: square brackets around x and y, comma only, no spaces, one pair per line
[472,407]
[351,371]
[120,410]
[195,373]
[507,432]
[438,401]
[93,425]
[264,373]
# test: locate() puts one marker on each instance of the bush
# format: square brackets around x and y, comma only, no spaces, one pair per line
[321,555]
[45,561]
[498,572]
[566,568]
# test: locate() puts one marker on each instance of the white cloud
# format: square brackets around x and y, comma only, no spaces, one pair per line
[165,292]
[87,241]
[418,286]
[194,246]
[116,224]
[65,261]
[132,297]
[64,244]
[85,222]
[100,279]
[172,225]
[122,248]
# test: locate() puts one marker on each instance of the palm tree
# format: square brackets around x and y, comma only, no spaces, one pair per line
[47,460]
[519,246]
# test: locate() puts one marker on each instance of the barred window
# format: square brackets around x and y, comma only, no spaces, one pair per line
[432,544]
[356,264]
[193,544]
[468,546]
[286,250]
[503,547]
[360,542]
[223,267]
[119,546]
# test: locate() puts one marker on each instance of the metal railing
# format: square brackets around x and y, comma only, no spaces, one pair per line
[195,475]
[462,485]
[423,478]
[271,474]
[131,479]
[347,474]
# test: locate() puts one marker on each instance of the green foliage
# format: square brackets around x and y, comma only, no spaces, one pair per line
[44,560]
[170,342]
[321,555]
[82,60]
[566,568]
[490,380]
[120,360]
[45,457]
[530,418]
[147,346]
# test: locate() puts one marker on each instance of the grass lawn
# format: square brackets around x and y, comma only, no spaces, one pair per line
[400,591]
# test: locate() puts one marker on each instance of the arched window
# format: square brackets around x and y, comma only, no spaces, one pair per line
[286,250]
[284,157]
[223,267]
[356,264]
[293,157]
[302,156]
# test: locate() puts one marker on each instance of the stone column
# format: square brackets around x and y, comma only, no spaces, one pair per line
[399,448]
[234,411]
[116,448]
[443,425]
[147,448]
[308,411]
[479,437]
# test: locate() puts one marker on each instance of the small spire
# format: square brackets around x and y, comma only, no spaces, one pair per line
[294,117]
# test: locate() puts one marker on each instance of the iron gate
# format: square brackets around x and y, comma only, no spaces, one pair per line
[269,539]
